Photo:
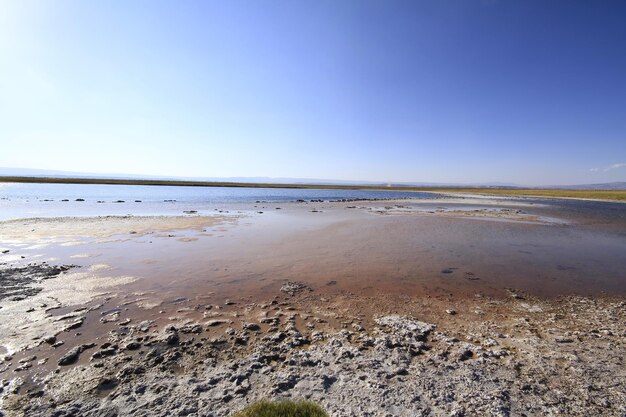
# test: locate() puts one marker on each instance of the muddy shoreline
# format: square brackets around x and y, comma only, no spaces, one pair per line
[406,356]
[448,307]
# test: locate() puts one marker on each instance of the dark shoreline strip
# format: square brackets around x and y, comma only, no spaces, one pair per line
[608,195]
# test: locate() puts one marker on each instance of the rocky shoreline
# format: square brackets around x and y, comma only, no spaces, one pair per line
[354,356]
[19,283]
[380,311]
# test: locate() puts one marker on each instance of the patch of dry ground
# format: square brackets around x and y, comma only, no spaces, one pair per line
[356,356]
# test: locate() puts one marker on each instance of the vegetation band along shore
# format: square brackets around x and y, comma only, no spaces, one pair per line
[608,195]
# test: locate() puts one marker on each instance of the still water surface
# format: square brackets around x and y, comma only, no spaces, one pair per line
[29,200]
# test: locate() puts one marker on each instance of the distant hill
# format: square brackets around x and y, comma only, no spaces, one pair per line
[28,172]
[620,185]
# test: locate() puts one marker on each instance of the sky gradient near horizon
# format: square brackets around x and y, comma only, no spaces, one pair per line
[526,92]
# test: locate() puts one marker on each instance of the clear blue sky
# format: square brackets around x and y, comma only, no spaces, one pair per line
[530,92]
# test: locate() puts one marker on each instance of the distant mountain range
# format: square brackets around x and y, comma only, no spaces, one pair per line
[28,172]
[619,185]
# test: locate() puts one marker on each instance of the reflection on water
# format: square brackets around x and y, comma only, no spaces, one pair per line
[341,244]
[46,200]
[352,250]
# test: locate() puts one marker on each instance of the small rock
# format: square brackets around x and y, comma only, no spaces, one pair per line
[191,328]
[24,366]
[251,326]
[406,326]
[132,346]
[71,356]
[357,327]
[172,339]
[75,325]
[51,340]
[110,317]
[217,322]
[293,287]
[144,326]
[108,351]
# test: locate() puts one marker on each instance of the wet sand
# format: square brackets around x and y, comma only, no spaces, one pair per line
[57,229]
[466,265]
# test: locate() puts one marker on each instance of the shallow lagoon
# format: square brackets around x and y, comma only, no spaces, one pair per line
[29,200]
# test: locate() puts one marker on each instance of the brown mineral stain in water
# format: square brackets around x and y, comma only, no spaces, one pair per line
[371,254]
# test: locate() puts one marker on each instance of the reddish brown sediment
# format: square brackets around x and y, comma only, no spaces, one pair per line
[417,250]
[445,263]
